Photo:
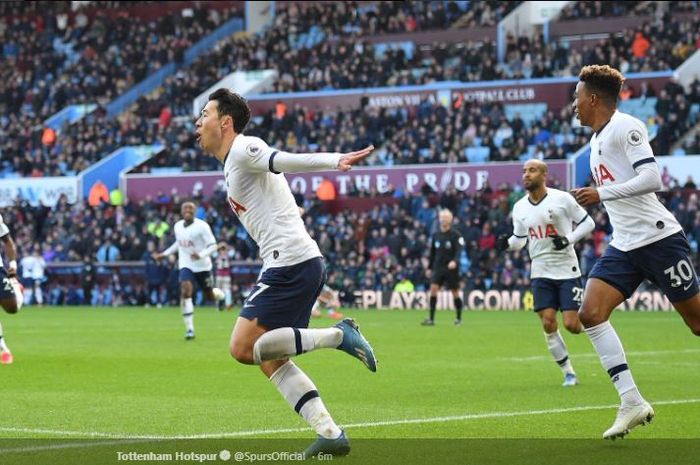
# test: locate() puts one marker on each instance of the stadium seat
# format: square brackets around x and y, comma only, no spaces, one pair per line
[477,154]
[528,112]
[679,152]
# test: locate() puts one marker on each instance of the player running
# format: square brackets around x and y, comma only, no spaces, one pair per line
[194,244]
[223,274]
[328,298]
[543,219]
[273,324]
[34,274]
[648,242]
[11,297]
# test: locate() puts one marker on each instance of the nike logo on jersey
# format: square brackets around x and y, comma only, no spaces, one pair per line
[685,288]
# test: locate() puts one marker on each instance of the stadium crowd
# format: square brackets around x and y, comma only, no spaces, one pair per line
[455,131]
[601,9]
[50,59]
[365,249]
[36,150]
[401,133]
[53,60]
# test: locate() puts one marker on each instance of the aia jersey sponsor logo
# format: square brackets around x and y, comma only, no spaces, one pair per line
[541,232]
[601,174]
[186,243]
[237,208]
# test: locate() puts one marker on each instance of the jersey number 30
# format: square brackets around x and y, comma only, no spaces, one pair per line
[683,271]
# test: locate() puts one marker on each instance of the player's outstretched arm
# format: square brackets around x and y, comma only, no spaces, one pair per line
[170,250]
[347,160]
[258,157]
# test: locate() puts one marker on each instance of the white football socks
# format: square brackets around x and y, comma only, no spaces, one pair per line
[612,356]
[39,295]
[3,345]
[188,313]
[19,295]
[288,342]
[301,394]
[557,347]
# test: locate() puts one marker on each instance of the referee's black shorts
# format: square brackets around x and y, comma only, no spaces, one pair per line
[442,276]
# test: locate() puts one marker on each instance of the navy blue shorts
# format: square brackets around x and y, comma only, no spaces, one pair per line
[6,289]
[559,294]
[666,263]
[284,296]
[204,279]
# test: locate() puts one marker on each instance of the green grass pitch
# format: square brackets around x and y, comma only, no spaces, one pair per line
[98,375]
[125,372]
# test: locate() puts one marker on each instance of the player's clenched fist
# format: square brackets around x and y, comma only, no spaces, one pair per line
[586,196]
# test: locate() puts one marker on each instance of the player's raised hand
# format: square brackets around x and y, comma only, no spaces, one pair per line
[352,158]
[586,196]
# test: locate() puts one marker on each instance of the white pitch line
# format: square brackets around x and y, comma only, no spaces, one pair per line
[127,438]
[536,358]
[72,445]
[82,434]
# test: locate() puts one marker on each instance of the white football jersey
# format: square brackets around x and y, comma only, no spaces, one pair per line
[553,215]
[263,201]
[617,150]
[4,231]
[33,267]
[190,239]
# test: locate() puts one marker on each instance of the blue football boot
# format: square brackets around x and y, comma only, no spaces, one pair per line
[355,344]
[336,447]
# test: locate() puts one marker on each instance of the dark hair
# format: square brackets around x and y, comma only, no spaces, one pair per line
[233,105]
[604,80]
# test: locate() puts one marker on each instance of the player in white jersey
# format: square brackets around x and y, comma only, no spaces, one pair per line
[223,274]
[273,324]
[194,244]
[34,274]
[11,297]
[648,242]
[543,219]
[328,298]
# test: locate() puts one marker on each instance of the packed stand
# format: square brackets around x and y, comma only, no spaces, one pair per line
[429,132]
[335,57]
[53,59]
[372,249]
[348,62]
[601,9]
[26,151]
[325,66]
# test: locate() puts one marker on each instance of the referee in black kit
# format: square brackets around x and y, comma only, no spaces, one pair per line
[443,270]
